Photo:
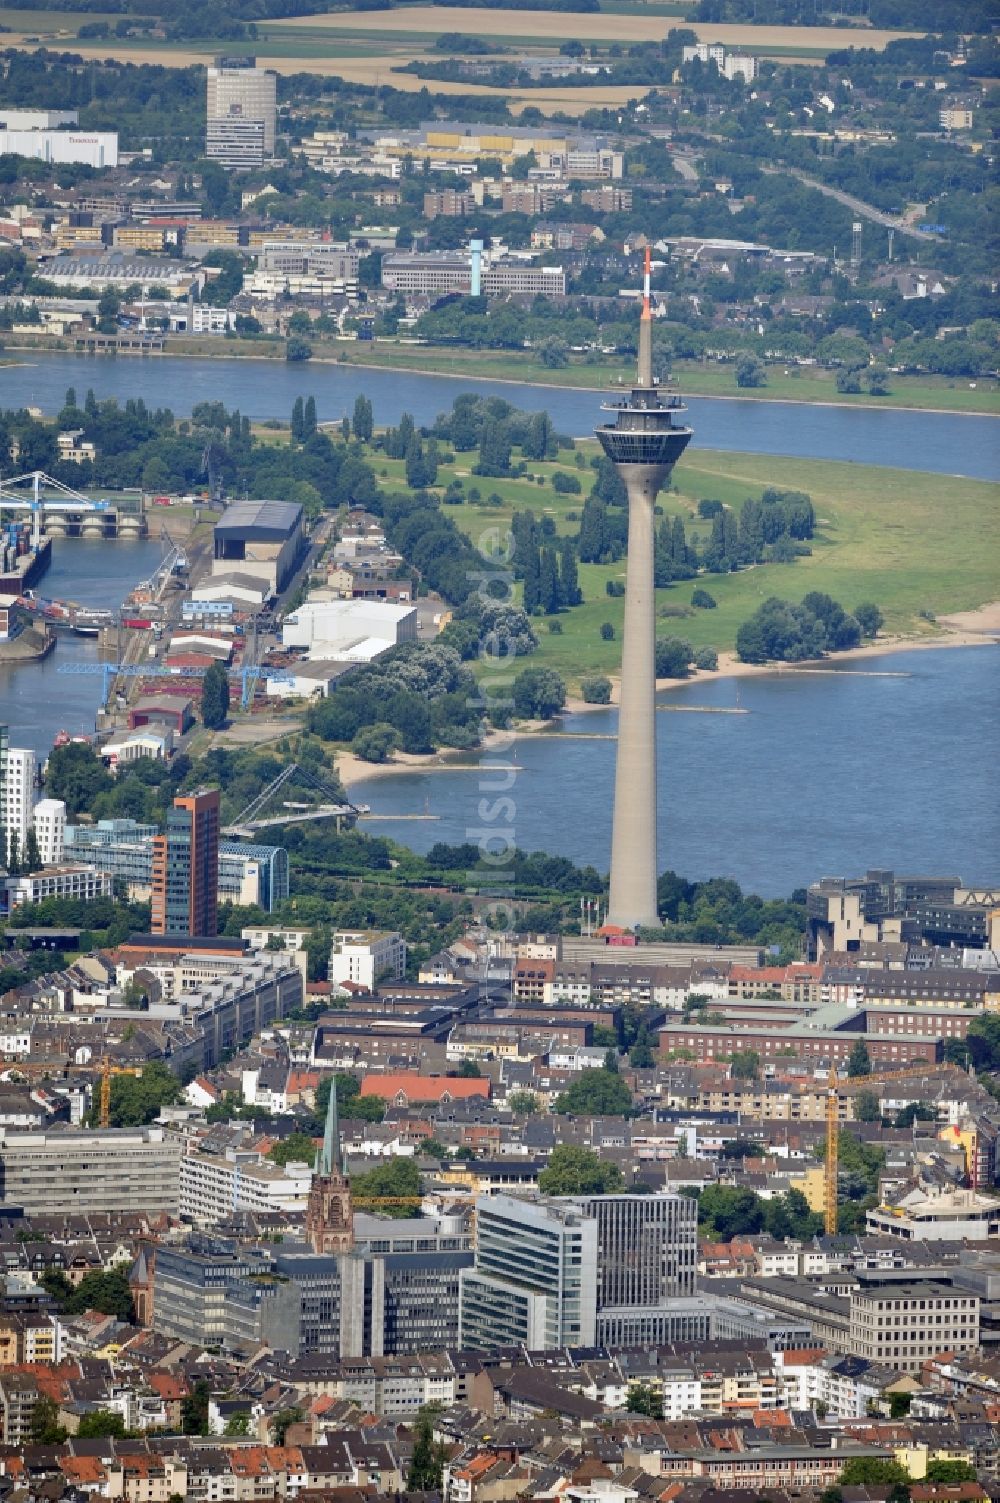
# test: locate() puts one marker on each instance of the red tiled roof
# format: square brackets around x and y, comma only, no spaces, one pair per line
[424,1087]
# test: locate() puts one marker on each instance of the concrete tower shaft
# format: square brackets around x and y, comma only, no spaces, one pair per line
[644,444]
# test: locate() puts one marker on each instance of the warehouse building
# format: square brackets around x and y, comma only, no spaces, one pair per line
[263,539]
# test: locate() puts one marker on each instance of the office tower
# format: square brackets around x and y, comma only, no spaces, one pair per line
[18,772]
[535,1278]
[644,444]
[186,867]
[242,109]
[579,1270]
[329,1217]
[50,830]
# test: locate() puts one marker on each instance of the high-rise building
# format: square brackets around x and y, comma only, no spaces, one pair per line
[579,1270]
[186,867]
[242,111]
[535,1278]
[18,773]
[643,443]
[50,830]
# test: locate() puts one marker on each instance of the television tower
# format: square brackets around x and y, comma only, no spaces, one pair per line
[643,444]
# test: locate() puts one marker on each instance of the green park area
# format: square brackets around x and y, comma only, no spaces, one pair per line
[917,545]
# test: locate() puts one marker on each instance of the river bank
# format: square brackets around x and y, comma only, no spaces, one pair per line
[710,383]
[979,628]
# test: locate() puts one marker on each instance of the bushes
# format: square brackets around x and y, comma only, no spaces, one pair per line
[566,485]
[783,632]
[703,600]
[595,690]
[539,693]
[673,657]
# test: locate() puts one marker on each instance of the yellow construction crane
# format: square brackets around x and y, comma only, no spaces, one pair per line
[830,1168]
[107,1070]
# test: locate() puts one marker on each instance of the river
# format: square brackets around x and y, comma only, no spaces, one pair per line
[38,699]
[884,762]
[942,443]
[825,773]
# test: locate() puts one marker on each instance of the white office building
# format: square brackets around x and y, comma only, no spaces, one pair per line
[50,830]
[213,1186]
[241,112]
[18,774]
[367,958]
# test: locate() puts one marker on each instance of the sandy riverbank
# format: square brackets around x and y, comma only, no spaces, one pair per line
[976,628]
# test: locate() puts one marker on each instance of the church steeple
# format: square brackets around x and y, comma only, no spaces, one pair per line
[329,1215]
[329,1159]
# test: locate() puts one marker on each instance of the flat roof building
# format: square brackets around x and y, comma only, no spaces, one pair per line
[60,1172]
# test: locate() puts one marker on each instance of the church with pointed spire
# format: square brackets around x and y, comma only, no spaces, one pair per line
[329,1215]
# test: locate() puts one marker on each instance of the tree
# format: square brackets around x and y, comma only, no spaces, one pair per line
[523,1103]
[538,694]
[298,420]
[139,1099]
[309,418]
[745,1064]
[363,421]
[703,600]
[641,1398]
[673,657]
[45,1427]
[867,1107]
[869,618]
[298,349]
[283,1422]
[950,1472]
[297,1148]
[726,1212]
[859,1061]
[194,1409]
[914,1111]
[99,1423]
[76,774]
[595,689]
[865,1471]
[399,1178]
[469,1070]
[428,1460]
[578,1171]
[376,743]
[215,697]
[595,1093]
[238,1423]
[750,372]
[641,1055]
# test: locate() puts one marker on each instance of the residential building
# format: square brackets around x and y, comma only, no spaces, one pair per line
[80,882]
[449,203]
[62,1171]
[241,112]
[367,957]
[185,886]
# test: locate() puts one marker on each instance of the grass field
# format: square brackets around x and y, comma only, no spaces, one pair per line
[908,541]
[595,26]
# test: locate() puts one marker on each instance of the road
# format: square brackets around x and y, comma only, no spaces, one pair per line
[858,205]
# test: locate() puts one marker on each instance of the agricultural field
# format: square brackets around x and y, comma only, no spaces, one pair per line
[908,541]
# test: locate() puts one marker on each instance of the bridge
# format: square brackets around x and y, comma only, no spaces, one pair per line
[40,494]
[252,818]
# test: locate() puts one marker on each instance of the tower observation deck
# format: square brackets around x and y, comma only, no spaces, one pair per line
[643,442]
